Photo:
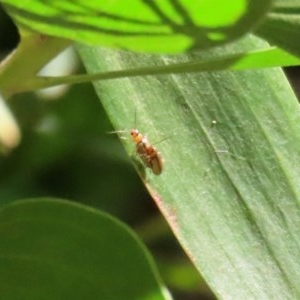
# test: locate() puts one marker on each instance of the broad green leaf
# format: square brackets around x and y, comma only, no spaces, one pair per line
[282,26]
[156,26]
[54,249]
[231,143]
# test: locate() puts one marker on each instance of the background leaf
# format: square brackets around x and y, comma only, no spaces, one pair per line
[230,187]
[157,26]
[282,26]
[53,249]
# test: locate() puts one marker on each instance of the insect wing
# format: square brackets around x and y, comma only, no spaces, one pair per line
[141,150]
[156,164]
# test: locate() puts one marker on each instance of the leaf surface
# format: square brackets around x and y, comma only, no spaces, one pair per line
[231,144]
[155,26]
[282,26]
[54,249]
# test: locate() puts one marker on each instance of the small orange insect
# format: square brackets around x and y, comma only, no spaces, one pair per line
[148,154]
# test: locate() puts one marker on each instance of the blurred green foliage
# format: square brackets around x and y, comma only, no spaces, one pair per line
[67,152]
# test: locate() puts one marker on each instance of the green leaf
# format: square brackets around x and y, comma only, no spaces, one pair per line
[282,26]
[263,58]
[230,186]
[157,26]
[54,249]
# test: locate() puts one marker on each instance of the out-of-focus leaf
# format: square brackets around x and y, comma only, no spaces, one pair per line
[282,26]
[22,65]
[156,26]
[52,249]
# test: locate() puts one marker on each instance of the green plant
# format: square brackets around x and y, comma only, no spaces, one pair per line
[230,188]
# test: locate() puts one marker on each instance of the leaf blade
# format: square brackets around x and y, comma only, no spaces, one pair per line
[232,137]
[168,26]
[282,26]
[70,251]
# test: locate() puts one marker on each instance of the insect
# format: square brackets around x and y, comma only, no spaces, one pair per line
[147,153]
